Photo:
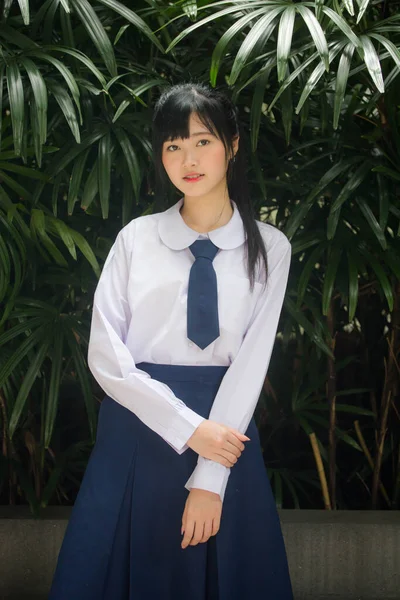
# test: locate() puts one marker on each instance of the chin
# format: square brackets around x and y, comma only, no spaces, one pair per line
[193,190]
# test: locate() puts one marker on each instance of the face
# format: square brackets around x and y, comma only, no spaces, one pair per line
[202,153]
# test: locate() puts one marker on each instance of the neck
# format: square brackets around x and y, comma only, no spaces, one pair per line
[205,214]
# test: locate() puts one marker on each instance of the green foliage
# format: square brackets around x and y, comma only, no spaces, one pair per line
[317,88]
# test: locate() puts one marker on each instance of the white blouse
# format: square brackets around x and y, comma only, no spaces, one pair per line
[139,315]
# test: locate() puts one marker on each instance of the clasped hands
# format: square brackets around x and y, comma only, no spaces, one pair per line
[202,514]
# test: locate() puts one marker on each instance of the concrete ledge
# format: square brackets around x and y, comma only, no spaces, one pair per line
[343,555]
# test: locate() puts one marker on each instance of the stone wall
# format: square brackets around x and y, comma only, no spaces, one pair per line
[333,555]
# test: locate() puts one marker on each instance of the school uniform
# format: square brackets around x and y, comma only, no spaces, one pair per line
[123,539]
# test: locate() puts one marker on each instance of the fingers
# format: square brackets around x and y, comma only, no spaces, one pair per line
[203,531]
[194,533]
[230,457]
[198,533]
[189,530]
[208,525]
[238,435]
[227,455]
[228,451]
[235,446]
[222,460]
[215,526]
[210,528]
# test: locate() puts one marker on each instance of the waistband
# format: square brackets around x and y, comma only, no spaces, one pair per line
[198,373]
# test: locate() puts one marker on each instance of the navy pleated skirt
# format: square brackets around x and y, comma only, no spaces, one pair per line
[123,539]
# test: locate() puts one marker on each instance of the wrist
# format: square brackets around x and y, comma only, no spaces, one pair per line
[196,432]
[205,493]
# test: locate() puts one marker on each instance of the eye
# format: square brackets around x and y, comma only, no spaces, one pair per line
[174,145]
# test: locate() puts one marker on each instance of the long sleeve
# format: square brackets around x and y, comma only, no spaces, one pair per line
[240,388]
[113,365]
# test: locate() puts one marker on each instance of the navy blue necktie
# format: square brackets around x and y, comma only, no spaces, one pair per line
[202,304]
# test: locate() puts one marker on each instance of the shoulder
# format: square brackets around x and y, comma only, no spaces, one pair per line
[274,239]
[278,247]
[144,225]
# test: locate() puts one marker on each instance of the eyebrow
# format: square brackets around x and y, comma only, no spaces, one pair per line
[196,134]
[202,133]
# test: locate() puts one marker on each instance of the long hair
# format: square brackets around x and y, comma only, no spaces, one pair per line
[219,115]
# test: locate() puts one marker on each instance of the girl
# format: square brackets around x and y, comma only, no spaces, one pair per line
[175,503]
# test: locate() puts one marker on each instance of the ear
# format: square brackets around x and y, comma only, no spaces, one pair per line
[235,143]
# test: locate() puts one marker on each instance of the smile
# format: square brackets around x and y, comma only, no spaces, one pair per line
[193,179]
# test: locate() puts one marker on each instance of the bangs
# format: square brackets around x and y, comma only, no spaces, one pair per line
[173,116]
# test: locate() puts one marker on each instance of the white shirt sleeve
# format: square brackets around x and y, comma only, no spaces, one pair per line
[113,365]
[240,388]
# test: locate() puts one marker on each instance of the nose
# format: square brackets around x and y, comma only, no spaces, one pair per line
[189,159]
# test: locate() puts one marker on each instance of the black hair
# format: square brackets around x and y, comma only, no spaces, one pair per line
[218,114]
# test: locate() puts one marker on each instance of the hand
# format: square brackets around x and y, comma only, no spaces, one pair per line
[217,442]
[201,517]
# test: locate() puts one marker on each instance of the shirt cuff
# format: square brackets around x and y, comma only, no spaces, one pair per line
[183,427]
[209,475]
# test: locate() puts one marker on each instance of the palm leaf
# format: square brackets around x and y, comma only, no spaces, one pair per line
[76,179]
[97,33]
[302,209]
[317,74]
[256,106]
[306,272]
[104,173]
[308,327]
[65,103]
[24,348]
[66,74]
[363,5]
[381,275]
[341,81]
[24,7]
[83,377]
[372,222]
[263,24]
[27,383]
[64,232]
[80,56]
[86,250]
[353,285]
[133,18]
[226,11]
[390,47]
[316,32]
[54,386]
[38,226]
[285,32]
[91,187]
[330,277]
[131,160]
[16,96]
[343,26]
[352,184]
[223,42]
[372,62]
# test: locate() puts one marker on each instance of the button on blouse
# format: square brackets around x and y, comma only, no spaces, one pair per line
[139,315]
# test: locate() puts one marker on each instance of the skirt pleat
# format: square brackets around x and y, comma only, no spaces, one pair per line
[123,539]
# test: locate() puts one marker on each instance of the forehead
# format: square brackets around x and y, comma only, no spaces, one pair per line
[194,135]
[195,128]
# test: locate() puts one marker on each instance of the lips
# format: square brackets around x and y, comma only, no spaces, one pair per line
[193,175]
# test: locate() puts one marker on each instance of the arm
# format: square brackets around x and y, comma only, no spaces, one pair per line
[113,366]
[240,388]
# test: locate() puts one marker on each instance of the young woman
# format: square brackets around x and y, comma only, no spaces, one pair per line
[175,503]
